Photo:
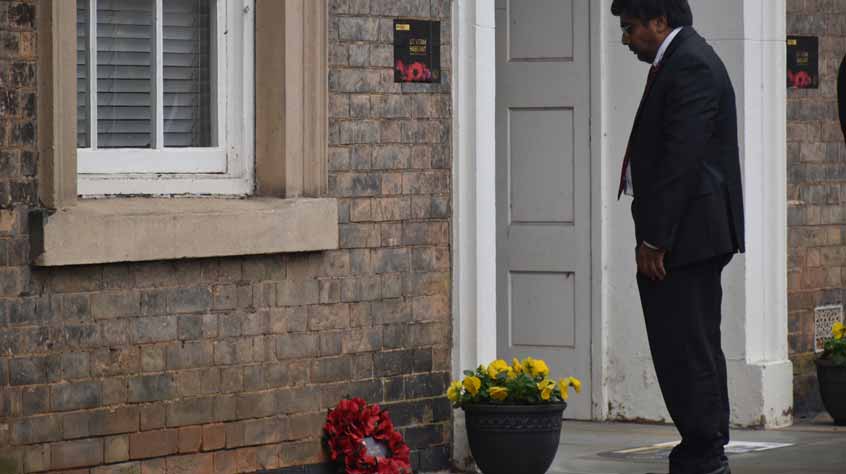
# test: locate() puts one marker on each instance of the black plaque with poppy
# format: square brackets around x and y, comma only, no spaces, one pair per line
[417,51]
[803,62]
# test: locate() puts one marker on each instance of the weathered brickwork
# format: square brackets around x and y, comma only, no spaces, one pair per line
[228,365]
[816,157]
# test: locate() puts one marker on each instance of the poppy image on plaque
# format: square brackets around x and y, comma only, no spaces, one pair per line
[417,51]
[803,70]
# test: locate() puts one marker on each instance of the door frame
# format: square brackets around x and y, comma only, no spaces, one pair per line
[474,198]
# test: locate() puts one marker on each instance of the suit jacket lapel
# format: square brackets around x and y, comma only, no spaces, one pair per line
[680,38]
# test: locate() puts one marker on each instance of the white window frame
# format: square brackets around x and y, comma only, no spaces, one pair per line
[226,169]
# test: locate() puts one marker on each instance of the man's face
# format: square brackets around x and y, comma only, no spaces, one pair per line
[643,37]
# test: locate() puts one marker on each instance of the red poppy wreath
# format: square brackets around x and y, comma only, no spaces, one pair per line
[363,438]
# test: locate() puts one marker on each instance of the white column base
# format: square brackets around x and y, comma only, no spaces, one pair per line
[761,394]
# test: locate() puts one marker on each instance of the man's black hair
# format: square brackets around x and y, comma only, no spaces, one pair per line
[677,11]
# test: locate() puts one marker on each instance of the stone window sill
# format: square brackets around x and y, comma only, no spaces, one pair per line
[138,229]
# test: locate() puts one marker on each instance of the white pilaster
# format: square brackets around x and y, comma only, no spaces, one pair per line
[474,191]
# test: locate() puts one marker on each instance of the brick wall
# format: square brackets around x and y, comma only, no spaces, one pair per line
[816,157]
[228,365]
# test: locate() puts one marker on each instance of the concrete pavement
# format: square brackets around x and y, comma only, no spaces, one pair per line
[816,447]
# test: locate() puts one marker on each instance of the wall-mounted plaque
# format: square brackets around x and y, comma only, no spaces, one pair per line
[803,62]
[417,51]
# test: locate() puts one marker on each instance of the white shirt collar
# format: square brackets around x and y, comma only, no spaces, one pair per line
[664,45]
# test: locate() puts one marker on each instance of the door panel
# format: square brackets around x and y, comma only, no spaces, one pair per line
[543,186]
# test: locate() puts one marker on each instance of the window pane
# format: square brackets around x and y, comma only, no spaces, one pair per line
[125,75]
[187,79]
[82,33]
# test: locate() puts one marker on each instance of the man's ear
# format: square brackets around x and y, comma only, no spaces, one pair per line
[661,24]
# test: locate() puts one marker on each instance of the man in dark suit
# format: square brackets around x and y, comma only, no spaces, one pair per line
[682,168]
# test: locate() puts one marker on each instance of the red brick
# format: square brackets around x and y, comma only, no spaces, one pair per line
[71,454]
[190,439]
[214,437]
[191,464]
[151,444]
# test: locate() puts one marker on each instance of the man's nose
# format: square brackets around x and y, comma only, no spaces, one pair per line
[626,40]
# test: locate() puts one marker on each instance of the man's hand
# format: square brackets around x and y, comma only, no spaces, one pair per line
[650,262]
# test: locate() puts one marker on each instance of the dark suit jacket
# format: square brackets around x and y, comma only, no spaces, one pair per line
[685,159]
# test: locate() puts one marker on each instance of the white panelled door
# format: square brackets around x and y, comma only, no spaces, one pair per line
[543,187]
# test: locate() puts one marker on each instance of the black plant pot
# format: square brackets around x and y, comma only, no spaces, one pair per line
[511,439]
[832,381]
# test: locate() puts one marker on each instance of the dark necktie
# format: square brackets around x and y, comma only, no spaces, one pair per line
[649,79]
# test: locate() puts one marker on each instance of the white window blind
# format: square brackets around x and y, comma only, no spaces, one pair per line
[166,98]
[145,80]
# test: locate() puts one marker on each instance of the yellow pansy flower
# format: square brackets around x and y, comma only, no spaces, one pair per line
[576,384]
[498,393]
[472,384]
[546,387]
[537,367]
[563,384]
[454,391]
[497,366]
[517,366]
[838,330]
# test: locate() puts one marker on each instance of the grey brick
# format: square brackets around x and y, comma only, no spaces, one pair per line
[197,326]
[296,400]
[400,7]
[34,370]
[427,385]
[115,304]
[116,361]
[191,383]
[393,363]
[40,429]
[295,346]
[423,360]
[35,400]
[391,260]
[359,235]
[355,80]
[73,307]
[33,310]
[297,293]
[359,131]
[189,300]
[153,358]
[358,29]
[331,343]
[256,405]
[394,389]
[362,340]
[392,106]
[233,351]
[75,396]
[362,366]
[191,412]
[322,317]
[149,388]
[359,55]
[389,312]
[159,329]
[336,369]
[395,336]
[190,354]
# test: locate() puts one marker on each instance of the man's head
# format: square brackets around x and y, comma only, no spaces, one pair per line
[646,23]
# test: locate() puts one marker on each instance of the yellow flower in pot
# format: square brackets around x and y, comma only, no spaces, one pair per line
[831,374]
[502,402]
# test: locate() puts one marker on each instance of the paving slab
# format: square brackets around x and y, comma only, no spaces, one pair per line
[815,447]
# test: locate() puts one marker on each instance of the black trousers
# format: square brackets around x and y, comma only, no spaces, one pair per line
[683,314]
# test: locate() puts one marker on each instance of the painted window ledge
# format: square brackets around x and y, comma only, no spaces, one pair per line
[138,229]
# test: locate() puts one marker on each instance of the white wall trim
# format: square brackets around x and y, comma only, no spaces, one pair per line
[474,228]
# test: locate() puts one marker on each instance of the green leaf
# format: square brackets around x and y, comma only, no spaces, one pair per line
[469,373]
